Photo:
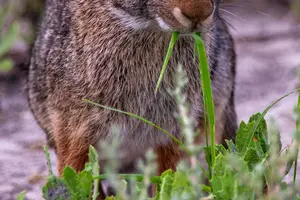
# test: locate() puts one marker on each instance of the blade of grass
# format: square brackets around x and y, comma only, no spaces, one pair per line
[139,118]
[205,114]
[173,41]
[151,124]
[207,93]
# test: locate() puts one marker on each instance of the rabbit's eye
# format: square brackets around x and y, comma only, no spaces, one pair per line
[132,13]
[137,8]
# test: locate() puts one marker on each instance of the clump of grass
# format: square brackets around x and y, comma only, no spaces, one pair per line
[250,169]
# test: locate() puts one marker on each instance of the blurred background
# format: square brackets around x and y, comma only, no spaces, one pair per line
[267,36]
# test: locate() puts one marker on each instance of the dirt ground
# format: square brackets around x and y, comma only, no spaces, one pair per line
[268,51]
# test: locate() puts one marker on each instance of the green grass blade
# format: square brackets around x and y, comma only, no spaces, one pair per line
[173,41]
[251,134]
[207,92]
[147,122]
[139,118]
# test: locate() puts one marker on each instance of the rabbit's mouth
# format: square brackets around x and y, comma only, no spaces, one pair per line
[178,20]
[184,16]
[184,24]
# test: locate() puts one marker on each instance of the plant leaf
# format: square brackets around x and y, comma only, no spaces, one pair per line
[70,177]
[167,179]
[85,184]
[6,65]
[8,39]
[21,196]
[252,158]
[181,184]
[260,118]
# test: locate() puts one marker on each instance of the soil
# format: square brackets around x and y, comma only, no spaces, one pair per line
[268,54]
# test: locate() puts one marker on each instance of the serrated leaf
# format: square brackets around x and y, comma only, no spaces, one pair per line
[242,137]
[55,189]
[220,174]
[251,158]
[253,135]
[223,181]
[93,155]
[260,118]
[21,196]
[181,184]
[261,132]
[166,185]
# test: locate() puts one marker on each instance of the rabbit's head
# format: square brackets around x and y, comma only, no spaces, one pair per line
[166,15]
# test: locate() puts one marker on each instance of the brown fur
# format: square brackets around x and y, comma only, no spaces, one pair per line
[111,52]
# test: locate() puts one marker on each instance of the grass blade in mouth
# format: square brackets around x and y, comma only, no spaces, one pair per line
[207,92]
[173,41]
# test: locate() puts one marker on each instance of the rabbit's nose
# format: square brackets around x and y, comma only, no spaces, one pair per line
[194,10]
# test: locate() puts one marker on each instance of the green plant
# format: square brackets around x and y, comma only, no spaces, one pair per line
[252,168]
[238,173]
[8,35]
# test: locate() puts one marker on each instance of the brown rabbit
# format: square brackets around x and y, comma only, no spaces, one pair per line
[111,52]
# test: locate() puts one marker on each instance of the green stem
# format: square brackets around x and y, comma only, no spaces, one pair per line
[173,41]
[96,181]
[46,150]
[94,160]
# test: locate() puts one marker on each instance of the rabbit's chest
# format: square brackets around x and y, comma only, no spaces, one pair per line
[137,95]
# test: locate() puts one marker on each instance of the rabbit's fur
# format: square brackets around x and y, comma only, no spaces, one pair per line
[111,52]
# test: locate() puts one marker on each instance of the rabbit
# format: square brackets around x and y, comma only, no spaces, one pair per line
[111,52]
